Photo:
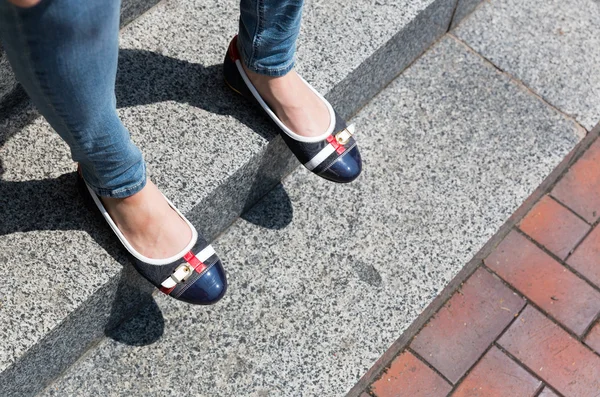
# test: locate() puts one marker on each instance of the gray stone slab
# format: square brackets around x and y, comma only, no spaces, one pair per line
[206,149]
[420,24]
[463,9]
[552,46]
[131,9]
[323,277]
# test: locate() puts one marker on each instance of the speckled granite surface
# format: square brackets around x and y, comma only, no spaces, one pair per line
[399,31]
[552,46]
[174,55]
[323,277]
[463,9]
[131,9]
[171,96]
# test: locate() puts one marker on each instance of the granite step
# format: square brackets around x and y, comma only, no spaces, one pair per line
[553,47]
[323,277]
[170,96]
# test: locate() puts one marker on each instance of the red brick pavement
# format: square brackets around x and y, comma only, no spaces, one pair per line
[526,321]
[497,375]
[412,377]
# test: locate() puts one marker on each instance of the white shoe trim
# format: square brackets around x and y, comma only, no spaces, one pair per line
[279,123]
[328,150]
[182,272]
[320,157]
[169,283]
[206,253]
[130,248]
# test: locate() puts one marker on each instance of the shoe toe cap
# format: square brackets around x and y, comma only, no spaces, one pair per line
[208,289]
[346,168]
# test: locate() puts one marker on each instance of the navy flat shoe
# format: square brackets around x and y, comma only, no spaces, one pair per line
[333,155]
[195,275]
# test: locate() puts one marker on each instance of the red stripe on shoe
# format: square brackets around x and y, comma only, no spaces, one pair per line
[339,148]
[166,291]
[326,152]
[336,145]
[196,263]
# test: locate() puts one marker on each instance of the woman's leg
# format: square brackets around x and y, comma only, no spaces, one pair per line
[267,44]
[64,53]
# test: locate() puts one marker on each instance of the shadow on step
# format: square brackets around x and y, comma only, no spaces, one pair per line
[56,204]
[273,211]
[144,328]
[146,77]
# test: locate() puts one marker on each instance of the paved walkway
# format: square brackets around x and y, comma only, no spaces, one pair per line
[525,322]
[523,317]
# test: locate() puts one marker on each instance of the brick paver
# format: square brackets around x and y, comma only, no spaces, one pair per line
[593,338]
[579,188]
[546,282]
[409,377]
[586,258]
[552,354]
[554,226]
[496,375]
[464,328]
[478,340]
[547,392]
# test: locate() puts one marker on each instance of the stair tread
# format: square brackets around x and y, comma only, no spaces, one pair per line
[195,135]
[324,277]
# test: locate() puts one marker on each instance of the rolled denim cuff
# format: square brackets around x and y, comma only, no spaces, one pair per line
[133,181]
[256,67]
[267,35]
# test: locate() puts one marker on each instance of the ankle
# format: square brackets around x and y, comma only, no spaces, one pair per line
[270,83]
[139,208]
[135,199]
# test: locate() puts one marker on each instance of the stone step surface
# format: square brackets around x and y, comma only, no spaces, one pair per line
[323,276]
[552,46]
[208,151]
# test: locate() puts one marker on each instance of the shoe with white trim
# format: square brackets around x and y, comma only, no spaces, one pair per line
[195,275]
[333,155]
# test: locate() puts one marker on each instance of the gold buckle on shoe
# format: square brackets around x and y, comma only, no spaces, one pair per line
[182,273]
[344,135]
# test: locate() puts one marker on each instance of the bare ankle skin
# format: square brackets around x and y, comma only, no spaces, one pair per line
[150,225]
[293,102]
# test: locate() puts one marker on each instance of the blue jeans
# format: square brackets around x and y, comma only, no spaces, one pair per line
[65,53]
